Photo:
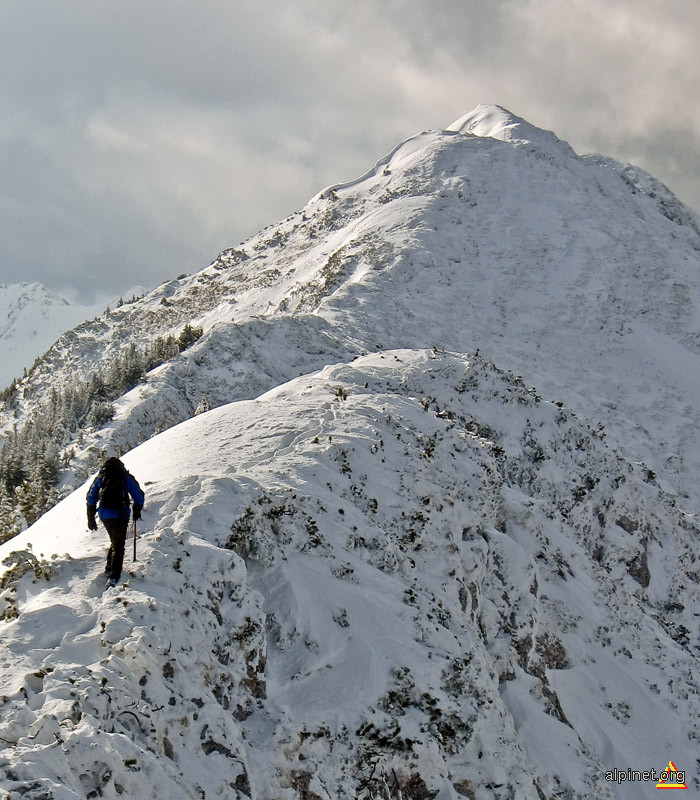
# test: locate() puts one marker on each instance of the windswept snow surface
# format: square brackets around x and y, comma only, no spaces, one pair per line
[407,569]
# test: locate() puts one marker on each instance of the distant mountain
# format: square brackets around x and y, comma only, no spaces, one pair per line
[33,318]
[424,523]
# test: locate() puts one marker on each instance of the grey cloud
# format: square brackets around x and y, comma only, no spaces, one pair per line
[137,139]
[616,77]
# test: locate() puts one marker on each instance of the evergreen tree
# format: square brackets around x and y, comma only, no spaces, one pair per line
[188,336]
[10,519]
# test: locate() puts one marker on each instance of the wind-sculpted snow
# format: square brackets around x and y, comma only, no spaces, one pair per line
[404,576]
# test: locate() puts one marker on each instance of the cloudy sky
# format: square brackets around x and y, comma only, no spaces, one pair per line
[138,138]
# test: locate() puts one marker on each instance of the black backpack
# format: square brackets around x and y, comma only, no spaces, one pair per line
[113,491]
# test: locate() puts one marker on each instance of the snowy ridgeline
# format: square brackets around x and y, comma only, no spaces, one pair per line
[406,575]
[579,273]
[403,577]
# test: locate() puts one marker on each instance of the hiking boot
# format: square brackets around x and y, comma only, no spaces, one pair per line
[111,583]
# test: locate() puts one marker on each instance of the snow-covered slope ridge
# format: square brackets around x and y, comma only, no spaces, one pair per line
[579,273]
[400,574]
[407,576]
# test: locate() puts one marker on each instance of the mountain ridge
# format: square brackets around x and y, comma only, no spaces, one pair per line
[342,246]
[404,562]
[382,565]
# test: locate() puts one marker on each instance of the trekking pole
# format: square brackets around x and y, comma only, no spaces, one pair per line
[134,540]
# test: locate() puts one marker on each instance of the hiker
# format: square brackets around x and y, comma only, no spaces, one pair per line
[109,496]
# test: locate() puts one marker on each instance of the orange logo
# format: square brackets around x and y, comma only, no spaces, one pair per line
[672,778]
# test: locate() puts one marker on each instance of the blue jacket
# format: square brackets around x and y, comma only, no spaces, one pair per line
[132,487]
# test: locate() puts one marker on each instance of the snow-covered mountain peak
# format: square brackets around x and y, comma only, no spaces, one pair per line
[486,120]
[31,318]
[579,273]
[496,122]
[16,296]
[381,565]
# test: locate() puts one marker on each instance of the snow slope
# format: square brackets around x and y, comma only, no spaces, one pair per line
[383,566]
[407,569]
